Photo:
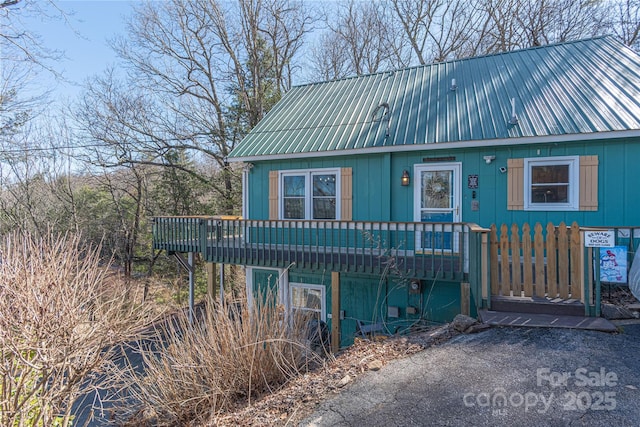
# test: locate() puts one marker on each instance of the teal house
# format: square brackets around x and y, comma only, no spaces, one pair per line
[367,200]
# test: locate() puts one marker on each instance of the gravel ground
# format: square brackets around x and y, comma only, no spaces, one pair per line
[500,377]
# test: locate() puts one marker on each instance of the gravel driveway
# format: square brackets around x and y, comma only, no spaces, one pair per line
[501,377]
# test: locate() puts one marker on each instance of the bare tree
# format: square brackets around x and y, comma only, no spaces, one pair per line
[438,30]
[625,21]
[328,59]
[23,57]
[517,24]
[360,28]
[284,26]
[203,73]
[34,181]
[361,38]
[425,31]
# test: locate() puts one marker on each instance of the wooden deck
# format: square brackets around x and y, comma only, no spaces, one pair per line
[447,266]
[357,247]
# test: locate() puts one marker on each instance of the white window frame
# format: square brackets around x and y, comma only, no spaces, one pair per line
[574,183]
[323,297]
[308,193]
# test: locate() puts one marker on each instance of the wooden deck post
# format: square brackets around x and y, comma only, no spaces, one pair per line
[211,280]
[190,257]
[484,268]
[221,283]
[465,298]
[335,311]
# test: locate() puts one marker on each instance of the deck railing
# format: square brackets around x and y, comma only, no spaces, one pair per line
[411,249]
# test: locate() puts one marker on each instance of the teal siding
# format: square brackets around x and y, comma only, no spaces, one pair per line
[378,195]
[265,282]
[372,200]
[618,173]
[360,299]
[367,298]
[585,88]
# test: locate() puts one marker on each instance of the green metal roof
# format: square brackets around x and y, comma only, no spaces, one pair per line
[577,90]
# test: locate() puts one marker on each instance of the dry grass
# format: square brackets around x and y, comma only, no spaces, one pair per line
[299,398]
[61,313]
[195,372]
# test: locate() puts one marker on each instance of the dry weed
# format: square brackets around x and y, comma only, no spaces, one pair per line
[230,354]
[61,313]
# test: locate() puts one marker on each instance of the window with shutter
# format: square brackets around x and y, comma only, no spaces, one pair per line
[311,194]
[560,183]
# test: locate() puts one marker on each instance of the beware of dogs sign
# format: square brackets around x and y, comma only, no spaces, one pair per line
[599,239]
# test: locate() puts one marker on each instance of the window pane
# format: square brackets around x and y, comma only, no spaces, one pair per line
[324,196]
[293,186]
[437,189]
[436,217]
[294,208]
[550,194]
[550,184]
[324,208]
[297,296]
[324,185]
[313,299]
[550,174]
[306,298]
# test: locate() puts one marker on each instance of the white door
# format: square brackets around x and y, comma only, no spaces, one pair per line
[437,200]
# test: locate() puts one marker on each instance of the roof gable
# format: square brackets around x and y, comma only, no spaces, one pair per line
[584,87]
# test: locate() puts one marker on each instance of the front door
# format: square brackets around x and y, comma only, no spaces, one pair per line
[437,200]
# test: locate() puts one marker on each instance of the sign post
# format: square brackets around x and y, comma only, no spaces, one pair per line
[596,240]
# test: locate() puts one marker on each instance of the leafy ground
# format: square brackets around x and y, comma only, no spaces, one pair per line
[293,402]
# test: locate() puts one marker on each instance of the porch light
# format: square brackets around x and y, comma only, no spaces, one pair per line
[405,178]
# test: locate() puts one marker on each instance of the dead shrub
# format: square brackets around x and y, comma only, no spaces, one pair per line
[229,355]
[61,313]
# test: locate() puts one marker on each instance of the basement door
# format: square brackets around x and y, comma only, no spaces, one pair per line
[437,200]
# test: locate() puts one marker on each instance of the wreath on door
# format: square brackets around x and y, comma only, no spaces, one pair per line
[436,191]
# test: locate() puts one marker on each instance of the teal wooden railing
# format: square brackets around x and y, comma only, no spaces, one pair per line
[409,249]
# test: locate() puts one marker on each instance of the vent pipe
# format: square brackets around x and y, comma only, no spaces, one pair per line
[514,117]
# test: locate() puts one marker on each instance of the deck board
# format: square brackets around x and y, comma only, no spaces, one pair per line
[537,320]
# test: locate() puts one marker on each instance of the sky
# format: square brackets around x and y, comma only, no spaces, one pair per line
[84,39]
